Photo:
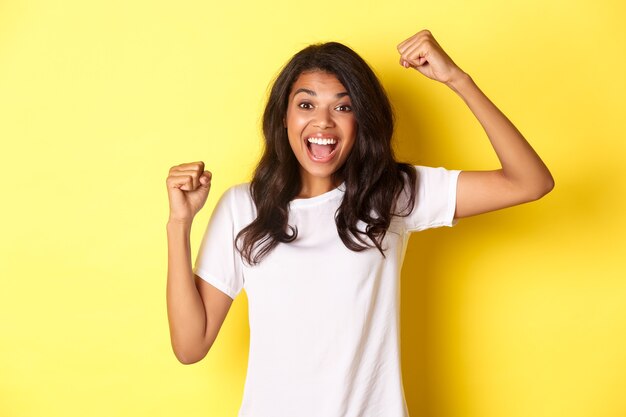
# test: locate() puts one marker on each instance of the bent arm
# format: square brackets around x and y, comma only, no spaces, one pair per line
[195,309]
[523,176]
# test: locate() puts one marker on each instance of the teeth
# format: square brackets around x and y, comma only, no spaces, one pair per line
[322,141]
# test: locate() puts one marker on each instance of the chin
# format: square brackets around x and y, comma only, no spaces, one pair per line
[320,173]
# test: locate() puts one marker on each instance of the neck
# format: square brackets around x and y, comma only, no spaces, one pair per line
[314,186]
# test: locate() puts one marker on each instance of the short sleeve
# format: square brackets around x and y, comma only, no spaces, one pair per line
[218,262]
[435,200]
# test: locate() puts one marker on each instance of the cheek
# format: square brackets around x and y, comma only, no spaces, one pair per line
[289,125]
[295,121]
[350,147]
[293,140]
[351,132]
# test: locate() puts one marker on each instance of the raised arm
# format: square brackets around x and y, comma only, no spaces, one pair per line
[195,309]
[523,176]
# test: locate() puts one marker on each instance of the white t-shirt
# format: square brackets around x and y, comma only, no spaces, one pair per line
[324,320]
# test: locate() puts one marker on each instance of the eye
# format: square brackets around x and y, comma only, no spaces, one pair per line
[344,108]
[305,105]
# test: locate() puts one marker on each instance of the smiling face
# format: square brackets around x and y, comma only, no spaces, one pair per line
[321,128]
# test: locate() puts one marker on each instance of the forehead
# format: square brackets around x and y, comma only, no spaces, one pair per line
[319,82]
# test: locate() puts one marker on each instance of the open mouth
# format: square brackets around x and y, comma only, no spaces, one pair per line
[321,149]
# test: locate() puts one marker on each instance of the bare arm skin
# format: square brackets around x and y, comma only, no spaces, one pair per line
[195,309]
[523,176]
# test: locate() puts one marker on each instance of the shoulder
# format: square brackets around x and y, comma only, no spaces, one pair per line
[238,192]
[436,184]
[434,193]
[423,176]
[432,179]
[237,200]
[425,173]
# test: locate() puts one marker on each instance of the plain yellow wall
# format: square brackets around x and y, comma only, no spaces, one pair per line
[520,312]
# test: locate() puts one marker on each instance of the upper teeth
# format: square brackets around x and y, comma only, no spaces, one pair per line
[321,141]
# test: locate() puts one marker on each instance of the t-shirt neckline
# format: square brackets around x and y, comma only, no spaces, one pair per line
[329,195]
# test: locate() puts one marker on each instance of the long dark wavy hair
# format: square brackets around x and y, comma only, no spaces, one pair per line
[373,178]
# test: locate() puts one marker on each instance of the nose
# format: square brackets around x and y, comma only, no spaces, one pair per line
[323,119]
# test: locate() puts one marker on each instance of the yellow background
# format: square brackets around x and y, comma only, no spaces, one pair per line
[520,312]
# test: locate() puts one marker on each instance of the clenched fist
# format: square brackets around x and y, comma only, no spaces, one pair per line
[422,52]
[188,187]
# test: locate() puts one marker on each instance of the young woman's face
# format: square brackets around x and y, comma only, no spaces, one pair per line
[320,124]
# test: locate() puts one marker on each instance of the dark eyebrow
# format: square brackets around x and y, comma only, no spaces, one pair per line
[314,94]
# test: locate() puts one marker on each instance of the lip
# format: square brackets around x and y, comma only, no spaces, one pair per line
[321,136]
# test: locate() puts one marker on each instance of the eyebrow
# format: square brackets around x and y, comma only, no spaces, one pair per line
[314,94]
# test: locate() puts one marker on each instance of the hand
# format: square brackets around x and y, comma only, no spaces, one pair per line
[422,52]
[188,187]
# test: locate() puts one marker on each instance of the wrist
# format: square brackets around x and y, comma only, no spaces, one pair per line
[460,80]
[178,224]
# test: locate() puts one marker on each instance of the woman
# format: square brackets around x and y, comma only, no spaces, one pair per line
[318,237]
